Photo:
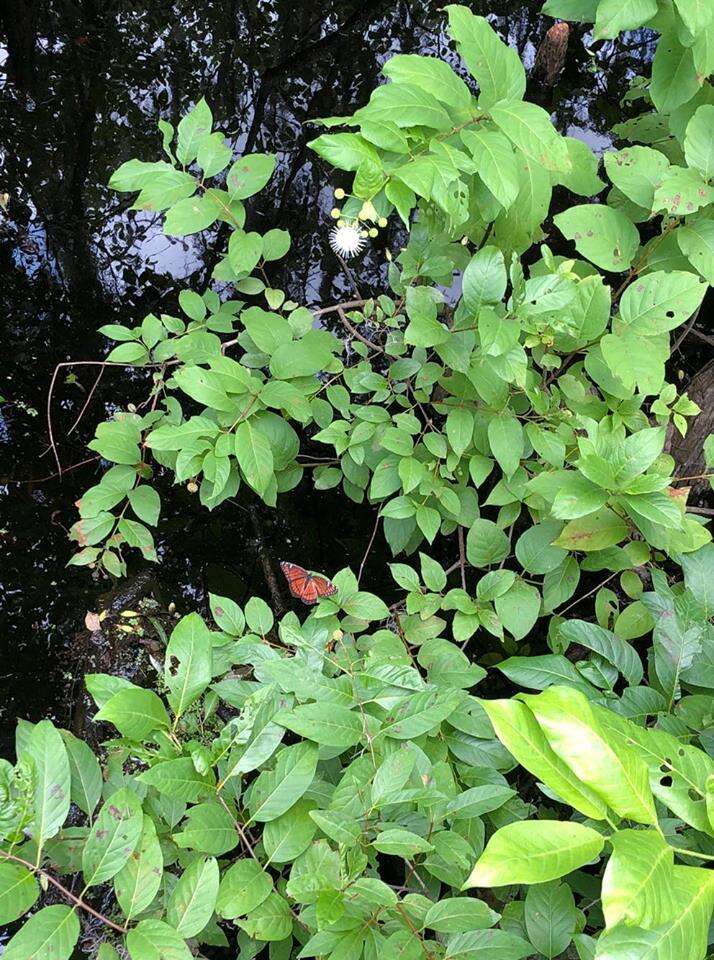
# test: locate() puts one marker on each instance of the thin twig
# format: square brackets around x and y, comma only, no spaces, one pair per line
[77,901]
[462,555]
[87,401]
[355,332]
[369,547]
[560,613]
[687,330]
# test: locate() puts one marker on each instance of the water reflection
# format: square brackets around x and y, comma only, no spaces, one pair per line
[83,85]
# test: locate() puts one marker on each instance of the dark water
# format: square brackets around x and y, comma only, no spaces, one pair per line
[82,85]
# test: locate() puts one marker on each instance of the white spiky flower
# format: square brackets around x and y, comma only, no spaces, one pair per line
[347,239]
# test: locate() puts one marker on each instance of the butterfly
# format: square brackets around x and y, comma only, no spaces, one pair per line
[308,587]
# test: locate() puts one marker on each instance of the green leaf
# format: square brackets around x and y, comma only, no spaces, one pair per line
[146,503]
[227,614]
[541,672]
[192,130]
[326,723]
[495,66]
[18,891]
[577,497]
[113,837]
[637,885]
[484,279]
[405,105]
[179,779]
[255,457]
[550,917]
[529,128]
[518,608]
[244,250]
[365,606]
[637,172]
[682,191]
[698,147]
[259,616]
[135,712]
[244,886]
[459,914]
[118,441]
[534,550]
[674,77]
[495,163]
[535,851]
[486,543]
[430,74]
[271,920]
[86,788]
[193,899]
[49,934]
[596,531]
[505,437]
[661,301]
[249,174]
[138,881]
[601,234]
[518,731]
[400,843]
[52,780]
[609,767]
[208,828]
[188,662]
[275,791]
[615,650]
[614,16]
[286,837]
[190,215]
[696,241]
[214,154]
[156,940]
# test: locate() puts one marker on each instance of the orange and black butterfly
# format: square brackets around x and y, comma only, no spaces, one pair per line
[308,587]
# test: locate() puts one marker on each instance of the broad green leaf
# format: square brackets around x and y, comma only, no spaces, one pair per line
[529,128]
[682,191]
[696,241]
[505,437]
[244,886]
[496,67]
[146,503]
[155,940]
[488,945]
[608,645]
[290,835]
[550,917]
[249,174]
[391,775]
[255,457]
[596,531]
[614,16]
[138,881]
[275,791]
[49,934]
[86,786]
[685,935]
[193,899]
[486,543]
[213,154]
[18,891]
[179,779]
[637,885]
[193,128]
[495,163]
[601,234]
[518,608]
[135,712]
[433,75]
[459,914]
[208,828]
[698,147]
[227,614]
[52,780]
[347,151]
[674,77]
[420,713]
[190,215]
[661,301]
[534,549]
[271,920]
[637,172]
[400,843]
[609,767]
[187,662]
[535,851]
[484,279]
[405,105]
[518,730]
[326,723]
[541,672]
[113,837]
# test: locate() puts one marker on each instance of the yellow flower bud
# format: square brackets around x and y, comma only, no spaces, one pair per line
[382,222]
[339,194]
[374,232]
[335,213]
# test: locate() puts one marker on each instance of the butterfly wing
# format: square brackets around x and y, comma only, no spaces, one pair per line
[304,586]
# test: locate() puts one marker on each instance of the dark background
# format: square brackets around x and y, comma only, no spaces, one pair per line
[82,85]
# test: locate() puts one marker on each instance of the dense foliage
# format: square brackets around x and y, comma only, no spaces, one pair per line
[334,787]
